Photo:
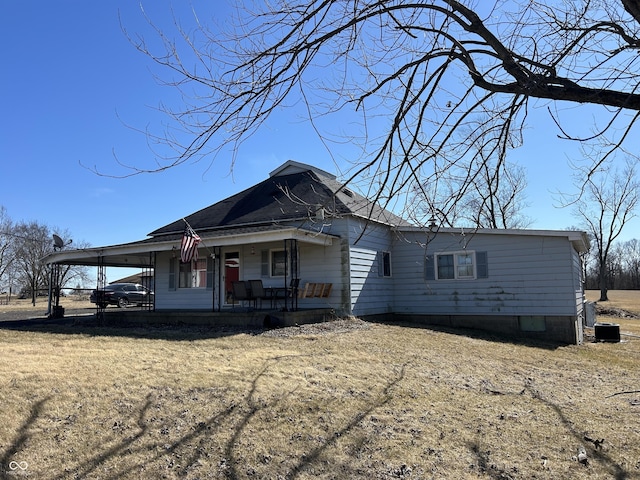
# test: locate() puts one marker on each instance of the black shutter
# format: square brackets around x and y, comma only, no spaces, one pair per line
[429,268]
[172,274]
[264,258]
[482,266]
[210,261]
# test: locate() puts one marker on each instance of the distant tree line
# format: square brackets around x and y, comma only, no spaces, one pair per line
[23,245]
[622,269]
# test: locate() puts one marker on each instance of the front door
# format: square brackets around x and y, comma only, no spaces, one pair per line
[231,274]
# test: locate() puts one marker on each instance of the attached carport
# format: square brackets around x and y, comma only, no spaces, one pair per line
[130,255]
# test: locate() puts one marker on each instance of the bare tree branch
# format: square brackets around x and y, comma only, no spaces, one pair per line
[411,77]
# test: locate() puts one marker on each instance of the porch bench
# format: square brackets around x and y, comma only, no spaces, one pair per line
[316,290]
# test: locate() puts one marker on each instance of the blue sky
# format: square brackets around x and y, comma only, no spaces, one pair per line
[71,84]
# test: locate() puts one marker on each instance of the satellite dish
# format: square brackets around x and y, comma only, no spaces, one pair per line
[57,241]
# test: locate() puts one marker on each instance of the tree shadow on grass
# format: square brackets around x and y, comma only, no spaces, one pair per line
[90,327]
[21,438]
[315,454]
[89,466]
[486,467]
[135,444]
[615,469]
[312,456]
[140,452]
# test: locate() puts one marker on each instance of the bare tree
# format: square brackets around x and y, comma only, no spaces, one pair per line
[494,197]
[607,203]
[419,71]
[631,260]
[499,199]
[33,242]
[27,244]
[410,78]
[6,244]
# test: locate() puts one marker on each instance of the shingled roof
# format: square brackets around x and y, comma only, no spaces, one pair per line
[294,191]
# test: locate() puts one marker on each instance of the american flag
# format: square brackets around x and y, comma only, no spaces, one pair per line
[189,246]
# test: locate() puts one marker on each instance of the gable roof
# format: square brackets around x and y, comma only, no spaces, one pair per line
[294,191]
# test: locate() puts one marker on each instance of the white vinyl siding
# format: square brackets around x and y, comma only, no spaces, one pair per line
[523,275]
[371,289]
[169,297]
[517,275]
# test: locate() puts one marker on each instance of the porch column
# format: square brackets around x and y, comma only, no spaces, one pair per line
[291,259]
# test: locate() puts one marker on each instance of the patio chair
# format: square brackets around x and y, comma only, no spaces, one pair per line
[240,292]
[258,292]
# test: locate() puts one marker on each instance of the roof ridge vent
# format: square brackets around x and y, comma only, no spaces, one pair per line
[347,192]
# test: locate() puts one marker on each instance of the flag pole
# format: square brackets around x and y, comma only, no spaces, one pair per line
[213,258]
[212,254]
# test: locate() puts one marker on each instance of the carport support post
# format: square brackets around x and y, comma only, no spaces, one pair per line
[151,280]
[49,311]
[53,309]
[101,281]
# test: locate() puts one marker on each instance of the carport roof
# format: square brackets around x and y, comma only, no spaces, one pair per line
[139,254]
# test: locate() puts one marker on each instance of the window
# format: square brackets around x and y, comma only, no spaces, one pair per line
[467,265]
[384,264]
[455,266]
[445,267]
[464,265]
[278,263]
[193,274]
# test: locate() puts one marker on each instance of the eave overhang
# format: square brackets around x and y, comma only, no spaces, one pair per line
[140,254]
[579,239]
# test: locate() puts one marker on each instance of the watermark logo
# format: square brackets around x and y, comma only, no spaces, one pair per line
[18,468]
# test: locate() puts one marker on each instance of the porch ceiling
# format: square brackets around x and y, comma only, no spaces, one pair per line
[138,254]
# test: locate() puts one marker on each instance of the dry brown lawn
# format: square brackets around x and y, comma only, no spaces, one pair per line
[340,400]
[14,306]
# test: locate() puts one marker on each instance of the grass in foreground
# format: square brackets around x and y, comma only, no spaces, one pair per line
[365,401]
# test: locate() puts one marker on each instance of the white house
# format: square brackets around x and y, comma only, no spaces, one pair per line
[301,227]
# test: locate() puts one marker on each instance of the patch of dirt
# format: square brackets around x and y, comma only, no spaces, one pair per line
[334,326]
[614,312]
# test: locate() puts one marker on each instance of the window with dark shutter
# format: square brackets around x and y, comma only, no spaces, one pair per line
[384,264]
[463,265]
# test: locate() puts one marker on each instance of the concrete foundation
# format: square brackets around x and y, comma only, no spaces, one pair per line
[555,329]
[240,319]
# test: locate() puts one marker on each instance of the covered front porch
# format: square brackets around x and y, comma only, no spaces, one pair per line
[289,263]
